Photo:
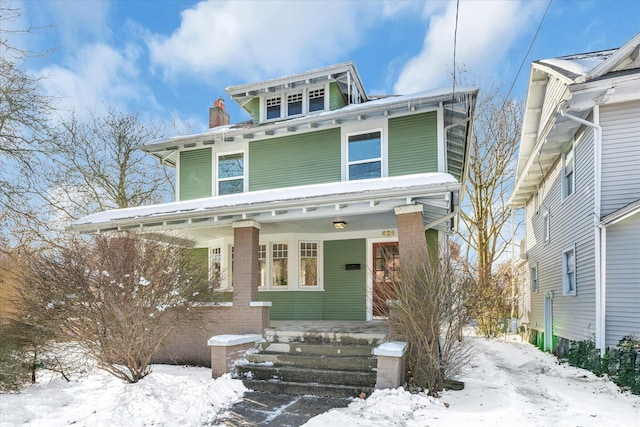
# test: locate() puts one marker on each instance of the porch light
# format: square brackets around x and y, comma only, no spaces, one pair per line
[339,225]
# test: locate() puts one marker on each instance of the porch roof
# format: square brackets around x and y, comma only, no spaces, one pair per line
[435,191]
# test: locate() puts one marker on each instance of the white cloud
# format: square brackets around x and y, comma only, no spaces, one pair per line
[486,31]
[261,39]
[97,74]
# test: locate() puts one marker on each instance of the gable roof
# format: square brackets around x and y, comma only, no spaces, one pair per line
[573,84]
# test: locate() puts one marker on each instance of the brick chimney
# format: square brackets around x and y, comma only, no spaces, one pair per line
[217,114]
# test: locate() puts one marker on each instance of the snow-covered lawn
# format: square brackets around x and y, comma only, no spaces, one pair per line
[508,383]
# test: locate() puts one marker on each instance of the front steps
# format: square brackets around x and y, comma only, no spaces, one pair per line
[320,363]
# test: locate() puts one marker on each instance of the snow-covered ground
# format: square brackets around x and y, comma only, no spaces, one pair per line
[508,383]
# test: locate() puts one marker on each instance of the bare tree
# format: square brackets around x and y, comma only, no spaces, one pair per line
[485,212]
[430,297]
[117,298]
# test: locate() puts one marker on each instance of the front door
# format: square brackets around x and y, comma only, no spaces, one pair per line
[386,259]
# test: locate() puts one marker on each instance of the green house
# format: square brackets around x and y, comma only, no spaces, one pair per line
[309,204]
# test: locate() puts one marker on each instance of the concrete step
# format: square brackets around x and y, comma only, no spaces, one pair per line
[317,349]
[342,362]
[313,389]
[325,337]
[304,375]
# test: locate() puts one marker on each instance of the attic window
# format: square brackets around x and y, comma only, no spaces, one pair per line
[273,108]
[316,100]
[294,104]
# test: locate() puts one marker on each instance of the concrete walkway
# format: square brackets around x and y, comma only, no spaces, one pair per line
[281,410]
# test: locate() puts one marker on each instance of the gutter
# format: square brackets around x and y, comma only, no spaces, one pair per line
[599,232]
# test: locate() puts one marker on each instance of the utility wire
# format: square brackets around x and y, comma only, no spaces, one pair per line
[528,50]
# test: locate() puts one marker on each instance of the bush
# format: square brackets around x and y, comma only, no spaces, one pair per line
[620,363]
[13,372]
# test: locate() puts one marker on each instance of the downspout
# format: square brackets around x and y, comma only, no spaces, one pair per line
[601,295]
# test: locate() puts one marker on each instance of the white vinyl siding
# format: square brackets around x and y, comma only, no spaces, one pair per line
[623,279]
[571,222]
[620,155]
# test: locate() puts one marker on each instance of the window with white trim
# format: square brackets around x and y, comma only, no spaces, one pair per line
[294,104]
[569,271]
[273,108]
[364,153]
[215,266]
[230,173]
[262,265]
[279,264]
[316,100]
[546,227]
[308,263]
[533,276]
[568,175]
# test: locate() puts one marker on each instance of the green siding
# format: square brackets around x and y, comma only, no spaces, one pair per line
[345,290]
[253,107]
[293,305]
[195,174]
[309,158]
[200,256]
[336,99]
[413,144]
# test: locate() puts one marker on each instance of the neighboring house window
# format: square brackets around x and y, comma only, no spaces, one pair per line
[279,263]
[230,173]
[569,271]
[568,181]
[365,156]
[294,104]
[262,264]
[308,263]
[216,266]
[273,108]
[534,278]
[316,100]
[546,227]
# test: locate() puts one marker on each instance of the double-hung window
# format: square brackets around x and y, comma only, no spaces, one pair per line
[534,277]
[316,100]
[568,175]
[546,227]
[569,271]
[279,264]
[216,266]
[262,264]
[230,173]
[294,104]
[308,264]
[273,108]
[364,156]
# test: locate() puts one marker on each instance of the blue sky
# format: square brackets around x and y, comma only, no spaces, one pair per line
[169,60]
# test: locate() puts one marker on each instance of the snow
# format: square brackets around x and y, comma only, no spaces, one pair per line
[508,383]
[577,66]
[271,198]
[391,348]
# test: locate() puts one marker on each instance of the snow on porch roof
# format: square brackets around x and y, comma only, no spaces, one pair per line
[307,196]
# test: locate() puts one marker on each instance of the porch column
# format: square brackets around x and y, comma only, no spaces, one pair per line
[412,242]
[246,275]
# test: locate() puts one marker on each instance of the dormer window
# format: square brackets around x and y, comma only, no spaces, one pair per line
[294,104]
[273,108]
[316,100]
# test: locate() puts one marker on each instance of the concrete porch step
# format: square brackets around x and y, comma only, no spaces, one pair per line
[324,337]
[305,375]
[317,349]
[309,388]
[305,360]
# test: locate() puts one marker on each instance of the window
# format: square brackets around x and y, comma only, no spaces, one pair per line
[316,100]
[546,227]
[308,264]
[569,271]
[364,156]
[534,278]
[273,108]
[262,264]
[215,266]
[279,263]
[294,104]
[568,176]
[230,173]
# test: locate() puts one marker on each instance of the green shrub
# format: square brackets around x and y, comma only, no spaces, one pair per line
[13,374]
[620,363]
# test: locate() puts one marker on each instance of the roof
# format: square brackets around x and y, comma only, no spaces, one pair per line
[624,212]
[573,85]
[308,202]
